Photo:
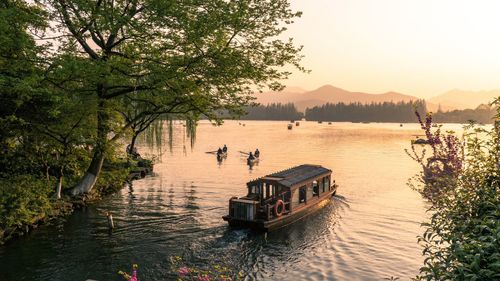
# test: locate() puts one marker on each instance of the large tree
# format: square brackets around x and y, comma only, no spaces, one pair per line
[170,56]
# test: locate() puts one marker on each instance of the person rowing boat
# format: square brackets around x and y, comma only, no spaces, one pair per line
[251,156]
[221,154]
[251,159]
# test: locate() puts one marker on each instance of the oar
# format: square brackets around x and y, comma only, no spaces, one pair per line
[244,152]
[211,151]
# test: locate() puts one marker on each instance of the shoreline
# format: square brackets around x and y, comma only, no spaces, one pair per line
[61,208]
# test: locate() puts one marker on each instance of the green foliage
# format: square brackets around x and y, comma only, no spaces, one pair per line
[22,200]
[19,72]
[71,89]
[461,239]
[126,63]
[113,177]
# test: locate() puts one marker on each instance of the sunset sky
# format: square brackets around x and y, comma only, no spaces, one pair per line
[417,47]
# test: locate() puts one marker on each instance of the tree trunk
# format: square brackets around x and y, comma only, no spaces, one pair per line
[59,186]
[132,143]
[89,179]
[47,175]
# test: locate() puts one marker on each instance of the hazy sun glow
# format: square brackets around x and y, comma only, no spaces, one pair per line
[417,47]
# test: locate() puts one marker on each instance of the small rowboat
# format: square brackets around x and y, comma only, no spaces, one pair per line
[420,141]
[221,156]
[251,162]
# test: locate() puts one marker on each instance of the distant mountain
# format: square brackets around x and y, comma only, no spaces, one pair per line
[460,99]
[327,94]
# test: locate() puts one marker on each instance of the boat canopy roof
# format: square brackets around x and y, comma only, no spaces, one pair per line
[296,175]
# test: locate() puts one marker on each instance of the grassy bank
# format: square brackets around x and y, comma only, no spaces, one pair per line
[28,201]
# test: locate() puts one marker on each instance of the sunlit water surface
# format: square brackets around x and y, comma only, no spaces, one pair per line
[368,232]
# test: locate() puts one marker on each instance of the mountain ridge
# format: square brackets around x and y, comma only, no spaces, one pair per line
[328,94]
[453,99]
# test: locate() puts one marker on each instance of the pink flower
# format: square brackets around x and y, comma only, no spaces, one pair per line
[183,271]
[203,278]
[134,276]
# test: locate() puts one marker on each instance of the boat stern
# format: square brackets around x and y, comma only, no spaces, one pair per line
[242,212]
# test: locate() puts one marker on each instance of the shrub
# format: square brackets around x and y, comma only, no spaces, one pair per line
[23,199]
[461,239]
[442,168]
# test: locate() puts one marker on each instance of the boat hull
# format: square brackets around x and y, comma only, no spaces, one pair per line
[221,156]
[252,161]
[272,225]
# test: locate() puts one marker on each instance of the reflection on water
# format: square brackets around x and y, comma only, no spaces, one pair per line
[368,232]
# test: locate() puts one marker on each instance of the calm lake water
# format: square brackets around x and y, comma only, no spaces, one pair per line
[368,232]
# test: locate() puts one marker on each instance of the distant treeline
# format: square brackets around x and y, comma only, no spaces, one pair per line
[400,112]
[373,112]
[273,112]
[482,114]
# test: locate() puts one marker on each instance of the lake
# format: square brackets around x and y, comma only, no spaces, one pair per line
[368,232]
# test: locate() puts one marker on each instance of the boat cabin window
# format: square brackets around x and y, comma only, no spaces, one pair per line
[254,189]
[326,182]
[269,190]
[315,188]
[321,186]
[302,194]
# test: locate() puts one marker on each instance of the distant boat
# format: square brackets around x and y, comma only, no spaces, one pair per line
[221,156]
[297,123]
[420,141]
[401,125]
[365,122]
[292,121]
[319,122]
[282,198]
[253,161]
[329,123]
[290,126]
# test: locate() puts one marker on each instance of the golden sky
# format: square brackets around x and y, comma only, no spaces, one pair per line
[417,47]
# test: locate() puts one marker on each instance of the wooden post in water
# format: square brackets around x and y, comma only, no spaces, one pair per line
[111,224]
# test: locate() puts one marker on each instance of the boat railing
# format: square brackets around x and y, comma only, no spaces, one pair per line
[269,204]
[269,210]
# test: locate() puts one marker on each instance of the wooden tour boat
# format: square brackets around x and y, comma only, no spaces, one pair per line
[282,198]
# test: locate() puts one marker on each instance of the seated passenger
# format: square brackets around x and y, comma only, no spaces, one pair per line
[219,151]
[224,148]
[257,153]
[250,156]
